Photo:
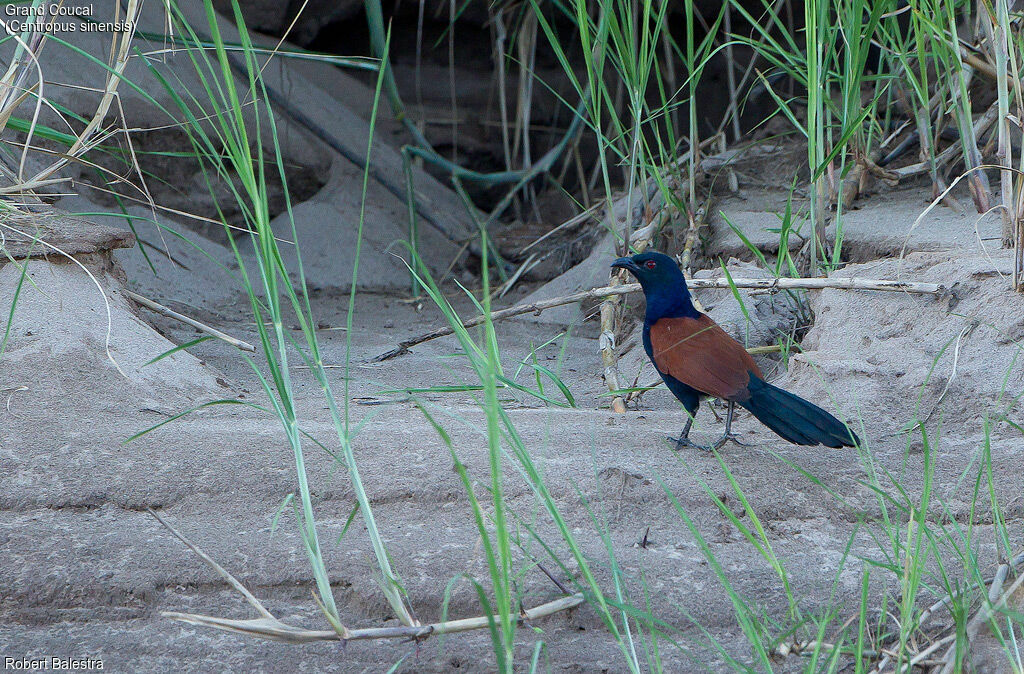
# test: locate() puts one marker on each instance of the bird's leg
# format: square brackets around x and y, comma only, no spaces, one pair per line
[684,438]
[728,435]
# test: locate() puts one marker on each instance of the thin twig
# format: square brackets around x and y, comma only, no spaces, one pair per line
[552,577]
[968,329]
[170,313]
[772,284]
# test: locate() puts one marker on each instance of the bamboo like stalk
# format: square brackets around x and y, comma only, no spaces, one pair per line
[636,239]
[272,628]
[696,222]
[767,284]
[1018,255]
[610,315]
[977,180]
[606,344]
[269,627]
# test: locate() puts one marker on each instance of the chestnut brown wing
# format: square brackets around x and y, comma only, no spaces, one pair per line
[699,353]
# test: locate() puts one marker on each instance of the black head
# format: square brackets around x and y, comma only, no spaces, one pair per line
[652,270]
[664,285]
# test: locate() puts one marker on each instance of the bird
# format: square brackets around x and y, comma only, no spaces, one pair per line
[696,357]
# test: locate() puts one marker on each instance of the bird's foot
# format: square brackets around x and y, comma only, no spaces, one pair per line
[730,437]
[684,441]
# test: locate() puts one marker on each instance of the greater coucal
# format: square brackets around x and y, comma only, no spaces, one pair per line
[696,357]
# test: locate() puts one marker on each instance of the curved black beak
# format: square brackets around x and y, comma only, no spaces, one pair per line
[627,263]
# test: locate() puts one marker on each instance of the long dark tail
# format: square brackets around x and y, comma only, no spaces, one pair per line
[794,418]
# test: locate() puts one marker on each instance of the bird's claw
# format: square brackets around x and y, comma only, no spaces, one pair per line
[730,437]
[718,444]
[686,442]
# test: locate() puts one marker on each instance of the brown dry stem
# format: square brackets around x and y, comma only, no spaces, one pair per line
[269,627]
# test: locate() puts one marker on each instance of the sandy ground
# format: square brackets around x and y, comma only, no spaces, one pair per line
[87,571]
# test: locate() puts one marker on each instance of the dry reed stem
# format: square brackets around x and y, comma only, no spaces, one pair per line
[610,316]
[769,284]
[686,258]
[120,49]
[639,239]
[1018,255]
[269,627]
[607,346]
[272,628]
[170,313]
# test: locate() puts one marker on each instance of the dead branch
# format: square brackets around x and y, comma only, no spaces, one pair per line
[769,284]
[981,125]
[269,627]
[272,628]
[835,283]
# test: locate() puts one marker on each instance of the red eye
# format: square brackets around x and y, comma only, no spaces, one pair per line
[650,264]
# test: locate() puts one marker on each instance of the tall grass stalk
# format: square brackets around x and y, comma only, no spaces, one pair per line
[504,443]
[816,31]
[830,68]
[939,19]
[230,143]
[1006,52]
[620,44]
